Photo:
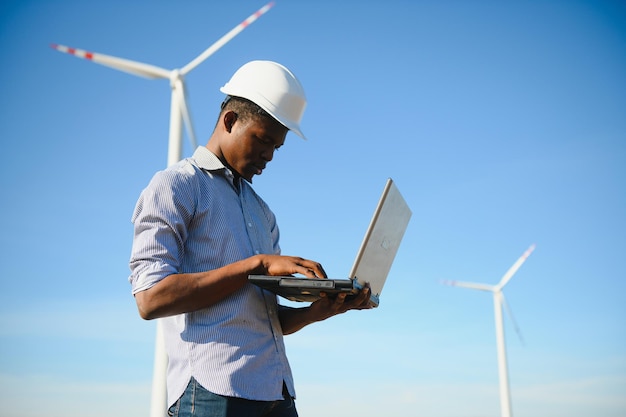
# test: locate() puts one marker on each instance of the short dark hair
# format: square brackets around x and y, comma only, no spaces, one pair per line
[244,108]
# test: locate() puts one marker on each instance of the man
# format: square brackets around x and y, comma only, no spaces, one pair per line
[200,230]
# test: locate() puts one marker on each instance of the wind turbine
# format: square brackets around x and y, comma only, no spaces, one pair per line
[179,112]
[498,302]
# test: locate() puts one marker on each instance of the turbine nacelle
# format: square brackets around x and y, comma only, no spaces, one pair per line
[176,77]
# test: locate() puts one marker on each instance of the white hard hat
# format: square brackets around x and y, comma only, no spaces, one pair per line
[272,87]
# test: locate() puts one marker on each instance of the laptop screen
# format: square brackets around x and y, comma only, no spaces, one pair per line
[382,239]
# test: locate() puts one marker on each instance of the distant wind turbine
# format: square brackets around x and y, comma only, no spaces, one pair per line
[498,302]
[178,112]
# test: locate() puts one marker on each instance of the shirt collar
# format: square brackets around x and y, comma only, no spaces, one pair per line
[207,160]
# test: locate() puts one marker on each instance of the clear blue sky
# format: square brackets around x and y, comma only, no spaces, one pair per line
[502,124]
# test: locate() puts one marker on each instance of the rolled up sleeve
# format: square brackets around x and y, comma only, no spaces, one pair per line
[160,221]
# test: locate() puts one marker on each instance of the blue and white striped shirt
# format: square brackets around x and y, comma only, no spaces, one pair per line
[191,218]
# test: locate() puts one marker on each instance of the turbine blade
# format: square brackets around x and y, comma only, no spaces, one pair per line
[509,311]
[224,39]
[471,285]
[131,67]
[512,270]
[179,90]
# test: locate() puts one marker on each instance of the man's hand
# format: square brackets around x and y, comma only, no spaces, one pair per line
[327,307]
[294,319]
[289,265]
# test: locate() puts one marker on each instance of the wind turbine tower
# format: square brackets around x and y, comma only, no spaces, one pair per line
[179,115]
[498,303]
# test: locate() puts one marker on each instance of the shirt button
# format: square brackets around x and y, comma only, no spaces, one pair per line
[249,224]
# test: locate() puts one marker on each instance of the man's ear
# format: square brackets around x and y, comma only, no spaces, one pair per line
[229,119]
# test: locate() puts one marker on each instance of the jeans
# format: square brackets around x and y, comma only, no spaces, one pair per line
[198,402]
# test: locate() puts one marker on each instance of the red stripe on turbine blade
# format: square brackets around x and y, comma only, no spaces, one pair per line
[71,51]
[88,55]
[256,15]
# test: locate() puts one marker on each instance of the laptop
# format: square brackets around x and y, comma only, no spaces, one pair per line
[371,265]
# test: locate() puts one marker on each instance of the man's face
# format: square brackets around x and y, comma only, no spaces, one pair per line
[252,144]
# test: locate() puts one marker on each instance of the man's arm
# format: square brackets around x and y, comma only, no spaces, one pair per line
[294,319]
[182,293]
